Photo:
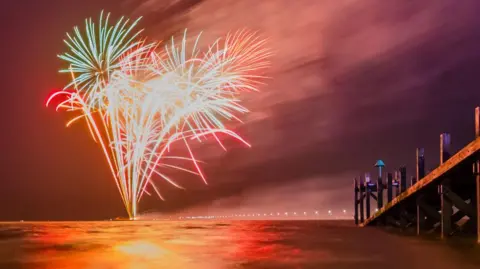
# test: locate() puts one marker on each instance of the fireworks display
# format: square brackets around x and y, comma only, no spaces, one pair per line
[138,98]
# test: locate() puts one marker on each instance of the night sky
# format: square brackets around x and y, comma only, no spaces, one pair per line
[351,82]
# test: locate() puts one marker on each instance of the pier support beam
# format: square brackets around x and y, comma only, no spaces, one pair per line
[420,215]
[361,187]
[413,180]
[396,183]
[445,149]
[476,171]
[420,163]
[379,192]
[447,210]
[404,218]
[420,167]
[459,203]
[356,201]
[477,122]
[367,195]
[403,179]
[477,179]
[446,203]
[389,187]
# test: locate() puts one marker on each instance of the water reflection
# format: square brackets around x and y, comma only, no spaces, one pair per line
[213,245]
[136,245]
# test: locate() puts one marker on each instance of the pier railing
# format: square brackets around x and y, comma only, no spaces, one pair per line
[444,201]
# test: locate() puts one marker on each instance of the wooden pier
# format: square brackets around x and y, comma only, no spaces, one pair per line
[445,201]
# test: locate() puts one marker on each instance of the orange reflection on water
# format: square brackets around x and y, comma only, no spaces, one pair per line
[141,249]
[259,242]
[144,245]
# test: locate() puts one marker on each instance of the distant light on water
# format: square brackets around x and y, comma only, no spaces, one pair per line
[302,213]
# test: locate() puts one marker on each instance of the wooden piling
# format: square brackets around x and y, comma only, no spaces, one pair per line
[356,202]
[477,184]
[445,147]
[367,195]
[395,184]
[361,187]
[380,192]
[477,122]
[420,167]
[403,179]
[476,171]
[447,210]
[446,204]
[420,163]
[420,215]
[389,187]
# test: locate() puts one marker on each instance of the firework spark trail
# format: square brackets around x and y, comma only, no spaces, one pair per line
[138,100]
